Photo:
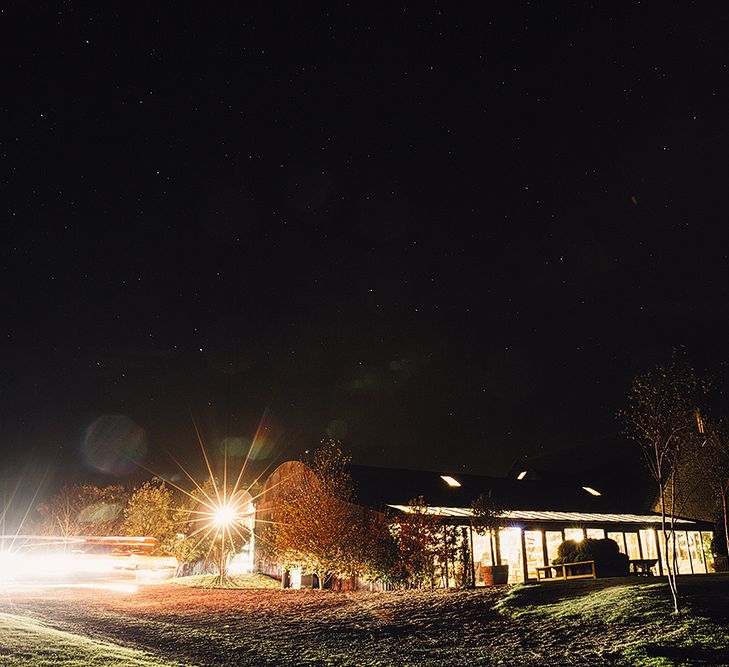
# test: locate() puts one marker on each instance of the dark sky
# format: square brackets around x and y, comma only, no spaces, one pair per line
[448,234]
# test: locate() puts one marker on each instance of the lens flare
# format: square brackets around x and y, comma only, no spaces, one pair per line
[114,444]
[224,515]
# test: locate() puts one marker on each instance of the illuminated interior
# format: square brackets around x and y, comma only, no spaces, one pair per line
[510,540]
[576,534]
[533,543]
[522,545]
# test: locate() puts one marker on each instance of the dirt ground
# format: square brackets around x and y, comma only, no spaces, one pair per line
[274,627]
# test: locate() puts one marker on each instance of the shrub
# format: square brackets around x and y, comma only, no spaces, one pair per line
[609,562]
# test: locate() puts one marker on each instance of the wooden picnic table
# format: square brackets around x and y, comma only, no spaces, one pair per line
[642,566]
[565,571]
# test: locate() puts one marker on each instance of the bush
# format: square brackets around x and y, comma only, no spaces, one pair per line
[609,562]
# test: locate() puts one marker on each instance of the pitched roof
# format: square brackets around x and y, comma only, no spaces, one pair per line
[377,487]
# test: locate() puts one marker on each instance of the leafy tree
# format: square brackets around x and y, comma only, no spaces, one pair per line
[660,417]
[464,574]
[84,509]
[380,553]
[151,513]
[317,527]
[711,458]
[486,519]
[418,543]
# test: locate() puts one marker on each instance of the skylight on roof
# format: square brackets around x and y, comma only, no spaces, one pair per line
[591,491]
[522,474]
[450,481]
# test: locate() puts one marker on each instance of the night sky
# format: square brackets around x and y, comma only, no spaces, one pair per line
[447,234]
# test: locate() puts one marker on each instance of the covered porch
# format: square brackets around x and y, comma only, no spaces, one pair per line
[529,539]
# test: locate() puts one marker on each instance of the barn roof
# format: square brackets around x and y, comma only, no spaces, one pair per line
[377,487]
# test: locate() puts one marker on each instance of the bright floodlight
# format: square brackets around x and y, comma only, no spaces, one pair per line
[450,481]
[224,515]
[591,491]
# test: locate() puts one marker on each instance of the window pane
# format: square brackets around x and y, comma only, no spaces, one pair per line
[648,542]
[706,538]
[618,537]
[534,553]
[697,557]
[510,542]
[575,534]
[631,542]
[481,552]
[596,533]
[681,561]
[682,553]
[554,539]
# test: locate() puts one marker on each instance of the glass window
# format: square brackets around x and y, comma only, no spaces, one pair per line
[554,539]
[681,560]
[682,553]
[648,542]
[481,548]
[596,533]
[618,537]
[706,538]
[632,546]
[510,544]
[697,556]
[576,534]
[534,552]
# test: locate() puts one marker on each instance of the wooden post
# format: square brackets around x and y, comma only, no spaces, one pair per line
[445,554]
[545,555]
[473,556]
[524,566]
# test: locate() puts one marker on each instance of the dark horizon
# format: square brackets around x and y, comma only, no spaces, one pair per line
[447,236]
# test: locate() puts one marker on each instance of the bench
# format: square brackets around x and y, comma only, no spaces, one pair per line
[565,571]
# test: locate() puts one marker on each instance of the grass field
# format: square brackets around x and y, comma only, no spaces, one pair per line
[25,642]
[700,635]
[605,622]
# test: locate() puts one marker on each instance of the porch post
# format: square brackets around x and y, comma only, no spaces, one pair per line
[524,567]
[473,556]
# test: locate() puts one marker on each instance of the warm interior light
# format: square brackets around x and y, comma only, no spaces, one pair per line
[224,515]
[591,491]
[522,474]
[450,481]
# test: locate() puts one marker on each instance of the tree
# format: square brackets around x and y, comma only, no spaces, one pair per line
[418,543]
[316,525]
[660,418]
[151,513]
[380,553]
[84,509]
[711,458]
[486,519]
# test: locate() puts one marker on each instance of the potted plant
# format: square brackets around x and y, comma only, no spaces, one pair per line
[486,519]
